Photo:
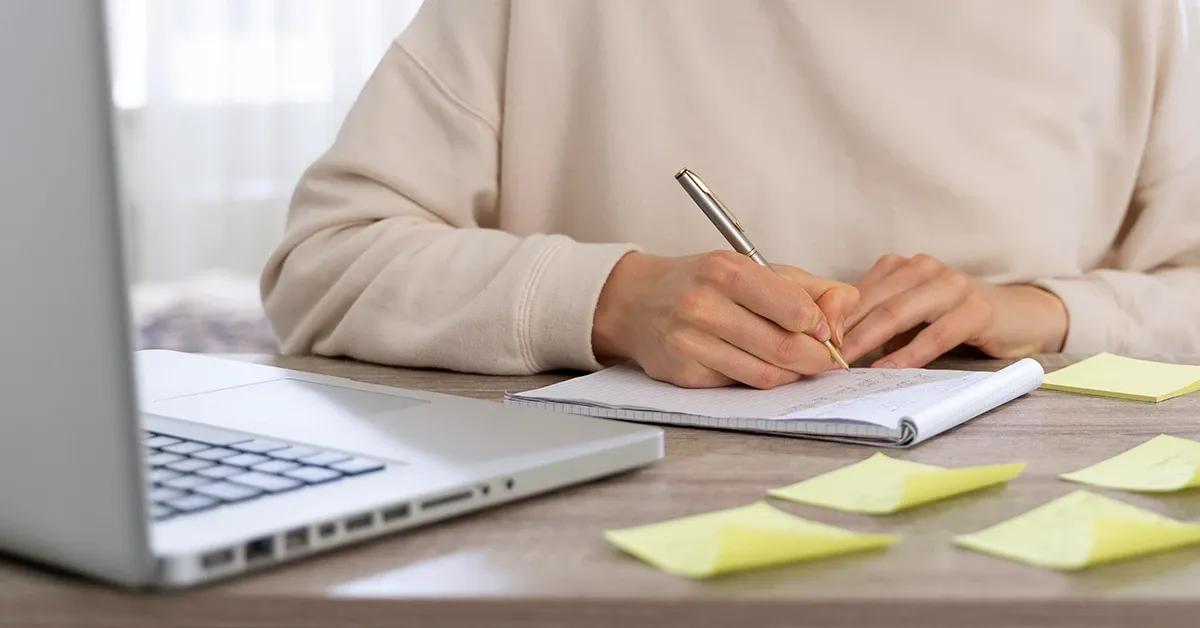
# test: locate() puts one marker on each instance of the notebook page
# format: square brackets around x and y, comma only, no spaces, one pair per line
[1019,378]
[626,386]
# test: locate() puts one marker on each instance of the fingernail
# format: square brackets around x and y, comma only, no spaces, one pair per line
[839,331]
[821,332]
[885,364]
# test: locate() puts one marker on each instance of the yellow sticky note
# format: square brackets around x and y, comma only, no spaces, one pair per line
[1163,463]
[1109,375]
[736,539]
[1079,530]
[881,484]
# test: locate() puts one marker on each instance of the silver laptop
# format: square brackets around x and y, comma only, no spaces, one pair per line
[228,466]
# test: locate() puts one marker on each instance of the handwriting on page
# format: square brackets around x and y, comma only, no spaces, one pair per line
[888,406]
[626,386]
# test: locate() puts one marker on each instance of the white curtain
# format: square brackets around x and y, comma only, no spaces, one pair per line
[221,104]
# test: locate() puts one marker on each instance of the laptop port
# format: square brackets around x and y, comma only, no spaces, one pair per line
[327,530]
[395,512]
[217,558]
[444,500]
[260,549]
[509,484]
[360,522]
[296,539]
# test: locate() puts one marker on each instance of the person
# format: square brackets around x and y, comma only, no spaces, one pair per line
[1017,177]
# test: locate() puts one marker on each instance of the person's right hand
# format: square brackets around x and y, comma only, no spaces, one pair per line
[718,318]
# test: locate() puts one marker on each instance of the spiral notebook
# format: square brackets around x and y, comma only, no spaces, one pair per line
[888,407]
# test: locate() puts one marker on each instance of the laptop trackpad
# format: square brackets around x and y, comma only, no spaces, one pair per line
[292,409]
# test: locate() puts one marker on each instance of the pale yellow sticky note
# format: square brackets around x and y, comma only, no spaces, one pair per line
[1161,464]
[1109,375]
[1079,530]
[881,484]
[736,539]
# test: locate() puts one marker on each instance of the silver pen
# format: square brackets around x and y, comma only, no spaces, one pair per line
[729,226]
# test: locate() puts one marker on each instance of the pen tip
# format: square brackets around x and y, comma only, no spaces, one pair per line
[681,172]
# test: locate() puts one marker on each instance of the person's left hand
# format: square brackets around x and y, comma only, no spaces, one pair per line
[919,308]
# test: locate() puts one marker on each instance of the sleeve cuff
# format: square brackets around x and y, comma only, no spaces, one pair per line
[1091,311]
[563,304]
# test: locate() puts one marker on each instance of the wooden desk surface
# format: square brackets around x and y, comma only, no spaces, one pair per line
[543,561]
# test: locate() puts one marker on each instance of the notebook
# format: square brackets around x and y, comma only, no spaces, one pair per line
[887,407]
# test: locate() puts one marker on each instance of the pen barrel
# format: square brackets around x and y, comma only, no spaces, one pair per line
[720,219]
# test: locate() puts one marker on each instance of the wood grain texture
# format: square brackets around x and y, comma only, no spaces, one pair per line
[543,561]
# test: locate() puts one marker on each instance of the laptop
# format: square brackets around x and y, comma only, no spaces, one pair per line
[211,467]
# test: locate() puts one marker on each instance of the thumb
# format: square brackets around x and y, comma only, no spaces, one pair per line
[835,298]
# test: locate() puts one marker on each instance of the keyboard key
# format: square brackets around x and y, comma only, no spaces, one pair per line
[265,482]
[259,445]
[244,460]
[162,459]
[186,447]
[188,465]
[162,494]
[228,492]
[214,453]
[220,472]
[186,430]
[293,453]
[324,458]
[355,466]
[162,475]
[313,475]
[187,482]
[158,512]
[160,441]
[275,466]
[192,503]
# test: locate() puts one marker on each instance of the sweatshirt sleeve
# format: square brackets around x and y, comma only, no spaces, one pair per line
[1146,300]
[391,254]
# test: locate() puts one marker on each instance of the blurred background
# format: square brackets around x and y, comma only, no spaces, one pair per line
[220,105]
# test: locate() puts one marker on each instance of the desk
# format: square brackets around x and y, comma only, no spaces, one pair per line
[543,561]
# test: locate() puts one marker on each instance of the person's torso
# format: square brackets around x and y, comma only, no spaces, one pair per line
[1001,137]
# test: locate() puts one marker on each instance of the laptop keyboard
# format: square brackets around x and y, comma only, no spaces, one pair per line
[189,476]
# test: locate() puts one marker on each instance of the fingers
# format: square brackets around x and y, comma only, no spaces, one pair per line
[890,276]
[716,356]
[762,291]
[881,268]
[794,351]
[921,304]
[958,326]
[835,299]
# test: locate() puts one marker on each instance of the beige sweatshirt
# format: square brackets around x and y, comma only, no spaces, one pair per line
[505,155]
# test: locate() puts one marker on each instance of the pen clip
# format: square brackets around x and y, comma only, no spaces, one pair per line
[732,216]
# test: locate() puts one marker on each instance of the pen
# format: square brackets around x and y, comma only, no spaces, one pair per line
[728,225]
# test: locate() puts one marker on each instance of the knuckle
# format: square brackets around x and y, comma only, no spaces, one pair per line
[892,312]
[720,268]
[927,264]
[766,377]
[938,338]
[890,260]
[787,349]
[804,314]
[957,280]
[692,376]
[692,306]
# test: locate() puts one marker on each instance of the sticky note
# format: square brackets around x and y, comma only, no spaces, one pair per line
[732,540]
[1161,464]
[1079,530]
[1109,375]
[881,484]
